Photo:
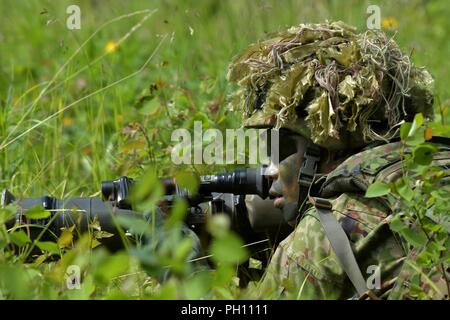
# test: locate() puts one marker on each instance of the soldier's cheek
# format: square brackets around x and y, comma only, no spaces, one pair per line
[288,176]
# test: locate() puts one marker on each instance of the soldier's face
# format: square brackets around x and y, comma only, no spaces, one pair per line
[284,175]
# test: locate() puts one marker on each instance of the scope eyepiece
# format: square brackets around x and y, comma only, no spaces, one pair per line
[238,182]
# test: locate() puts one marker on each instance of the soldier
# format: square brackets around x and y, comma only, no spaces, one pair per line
[338,98]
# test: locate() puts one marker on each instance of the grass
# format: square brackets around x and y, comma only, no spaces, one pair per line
[80,146]
[106,113]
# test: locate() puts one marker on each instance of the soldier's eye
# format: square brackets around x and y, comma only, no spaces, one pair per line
[287,147]
[287,144]
[282,141]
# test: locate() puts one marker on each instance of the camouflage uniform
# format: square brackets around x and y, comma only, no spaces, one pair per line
[342,91]
[305,266]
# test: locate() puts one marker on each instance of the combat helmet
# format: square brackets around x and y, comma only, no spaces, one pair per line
[339,88]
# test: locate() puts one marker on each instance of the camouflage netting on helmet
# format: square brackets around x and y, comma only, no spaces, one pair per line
[327,82]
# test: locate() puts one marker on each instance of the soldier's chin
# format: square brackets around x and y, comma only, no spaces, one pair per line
[290,212]
[279,202]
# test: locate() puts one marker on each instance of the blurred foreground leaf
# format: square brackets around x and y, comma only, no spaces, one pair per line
[228,250]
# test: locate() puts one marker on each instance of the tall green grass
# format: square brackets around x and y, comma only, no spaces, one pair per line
[72,152]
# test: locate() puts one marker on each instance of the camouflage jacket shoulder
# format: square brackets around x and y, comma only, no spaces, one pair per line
[305,265]
[382,163]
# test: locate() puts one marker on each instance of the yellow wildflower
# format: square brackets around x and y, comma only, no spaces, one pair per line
[68,121]
[389,23]
[111,46]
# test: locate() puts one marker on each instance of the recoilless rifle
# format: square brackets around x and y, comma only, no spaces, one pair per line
[217,193]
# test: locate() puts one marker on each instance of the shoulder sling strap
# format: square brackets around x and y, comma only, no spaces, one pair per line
[341,245]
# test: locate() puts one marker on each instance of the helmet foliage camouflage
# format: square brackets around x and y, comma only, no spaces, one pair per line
[325,81]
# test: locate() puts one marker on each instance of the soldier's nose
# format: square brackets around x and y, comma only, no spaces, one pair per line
[272,171]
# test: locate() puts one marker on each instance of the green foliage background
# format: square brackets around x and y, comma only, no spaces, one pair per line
[121,130]
[74,151]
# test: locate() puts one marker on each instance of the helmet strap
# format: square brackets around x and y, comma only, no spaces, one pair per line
[310,164]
